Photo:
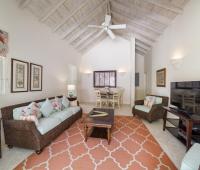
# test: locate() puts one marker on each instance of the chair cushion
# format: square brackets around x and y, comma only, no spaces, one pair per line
[45,124]
[142,108]
[191,159]
[62,115]
[158,100]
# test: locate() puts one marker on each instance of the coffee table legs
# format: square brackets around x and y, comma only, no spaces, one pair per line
[109,135]
[85,129]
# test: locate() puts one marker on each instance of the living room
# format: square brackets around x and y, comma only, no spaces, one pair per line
[72,49]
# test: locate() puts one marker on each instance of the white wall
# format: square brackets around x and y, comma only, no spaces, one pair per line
[32,41]
[107,55]
[140,68]
[181,38]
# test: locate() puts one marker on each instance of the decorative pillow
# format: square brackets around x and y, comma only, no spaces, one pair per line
[31,109]
[57,105]
[17,112]
[47,108]
[150,100]
[31,118]
[146,102]
[65,102]
[73,103]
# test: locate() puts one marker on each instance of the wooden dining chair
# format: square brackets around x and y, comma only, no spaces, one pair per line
[100,99]
[115,100]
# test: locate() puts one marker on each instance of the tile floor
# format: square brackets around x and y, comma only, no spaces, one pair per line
[174,149]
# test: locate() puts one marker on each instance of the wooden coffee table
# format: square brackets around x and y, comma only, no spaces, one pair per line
[100,127]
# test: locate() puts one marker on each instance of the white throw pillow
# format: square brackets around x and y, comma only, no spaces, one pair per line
[47,108]
[32,109]
[65,102]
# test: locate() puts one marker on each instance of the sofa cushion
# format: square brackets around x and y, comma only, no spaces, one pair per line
[62,115]
[45,124]
[74,109]
[47,108]
[191,159]
[142,108]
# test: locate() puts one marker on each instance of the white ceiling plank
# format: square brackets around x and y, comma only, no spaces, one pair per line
[140,52]
[24,3]
[72,13]
[91,45]
[93,13]
[148,13]
[141,48]
[49,13]
[85,38]
[142,45]
[126,7]
[97,35]
[139,31]
[156,31]
[165,6]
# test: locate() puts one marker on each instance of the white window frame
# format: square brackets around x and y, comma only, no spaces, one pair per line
[2,75]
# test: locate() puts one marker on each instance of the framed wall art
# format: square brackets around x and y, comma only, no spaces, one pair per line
[105,78]
[35,77]
[161,77]
[19,76]
[3,43]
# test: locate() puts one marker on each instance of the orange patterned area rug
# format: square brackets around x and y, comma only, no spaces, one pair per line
[132,147]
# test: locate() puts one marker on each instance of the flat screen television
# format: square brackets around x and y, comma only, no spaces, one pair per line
[186,96]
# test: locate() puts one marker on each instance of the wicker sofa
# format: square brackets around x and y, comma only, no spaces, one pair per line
[25,134]
[153,113]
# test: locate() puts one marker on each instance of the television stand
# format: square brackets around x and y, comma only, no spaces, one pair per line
[182,131]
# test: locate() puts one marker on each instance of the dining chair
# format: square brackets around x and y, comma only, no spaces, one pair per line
[115,100]
[100,99]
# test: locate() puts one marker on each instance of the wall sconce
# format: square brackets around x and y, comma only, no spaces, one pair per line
[121,71]
[88,72]
[177,60]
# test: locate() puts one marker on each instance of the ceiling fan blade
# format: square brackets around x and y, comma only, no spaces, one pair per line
[110,33]
[95,26]
[120,26]
[107,20]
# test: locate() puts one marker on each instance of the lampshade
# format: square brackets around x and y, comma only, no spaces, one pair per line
[71,87]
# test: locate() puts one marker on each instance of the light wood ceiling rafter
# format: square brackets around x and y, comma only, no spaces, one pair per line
[146,19]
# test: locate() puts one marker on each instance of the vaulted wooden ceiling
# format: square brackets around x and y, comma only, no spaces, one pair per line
[146,19]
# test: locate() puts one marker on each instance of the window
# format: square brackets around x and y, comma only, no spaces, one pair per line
[105,78]
[2,75]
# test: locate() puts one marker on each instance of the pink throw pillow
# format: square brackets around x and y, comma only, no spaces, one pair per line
[57,105]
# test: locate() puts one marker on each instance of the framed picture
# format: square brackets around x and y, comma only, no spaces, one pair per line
[3,43]
[161,77]
[105,78]
[19,76]
[35,77]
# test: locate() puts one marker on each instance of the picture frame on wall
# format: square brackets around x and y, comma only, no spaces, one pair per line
[19,76]
[36,72]
[161,77]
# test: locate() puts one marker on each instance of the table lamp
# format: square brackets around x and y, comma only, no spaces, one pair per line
[71,90]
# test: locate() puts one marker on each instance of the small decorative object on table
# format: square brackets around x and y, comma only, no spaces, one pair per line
[98,114]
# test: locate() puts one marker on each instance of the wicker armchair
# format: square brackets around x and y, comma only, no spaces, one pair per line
[154,113]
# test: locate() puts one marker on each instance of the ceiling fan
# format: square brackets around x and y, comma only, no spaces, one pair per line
[107,27]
